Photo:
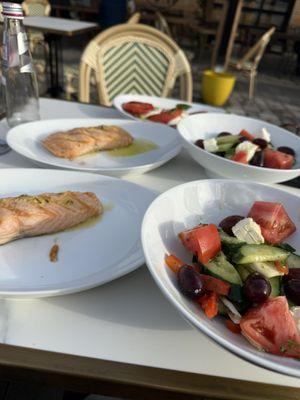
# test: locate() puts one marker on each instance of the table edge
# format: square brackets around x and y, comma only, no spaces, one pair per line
[53,31]
[93,375]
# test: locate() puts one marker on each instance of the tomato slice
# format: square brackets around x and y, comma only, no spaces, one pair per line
[247,135]
[234,328]
[166,116]
[215,285]
[274,221]
[240,156]
[209,304]
[174,263]
[137,108]
[271,327]
[277,159]
[203,241]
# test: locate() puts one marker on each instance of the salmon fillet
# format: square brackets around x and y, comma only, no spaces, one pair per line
[79,141]
[46,213]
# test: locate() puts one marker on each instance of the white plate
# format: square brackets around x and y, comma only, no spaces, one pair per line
[209,125]
[209,201]
[160,103]
[88,256]
[26,139]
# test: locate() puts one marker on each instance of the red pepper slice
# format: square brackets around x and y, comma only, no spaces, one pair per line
[215,285]
[281,268]
[234,328]
[209,304]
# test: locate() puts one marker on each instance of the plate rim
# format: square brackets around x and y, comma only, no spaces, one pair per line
[172,152]
[188,315]
[137,254]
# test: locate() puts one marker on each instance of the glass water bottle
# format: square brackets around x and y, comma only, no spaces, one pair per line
[18,75]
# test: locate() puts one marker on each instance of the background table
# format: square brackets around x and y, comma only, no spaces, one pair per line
[124,338]
[55,29]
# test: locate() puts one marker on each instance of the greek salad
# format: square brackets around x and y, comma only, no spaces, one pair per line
[244,271]
[247,148]
[147,111]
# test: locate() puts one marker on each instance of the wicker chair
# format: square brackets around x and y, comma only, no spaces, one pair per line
[133,58]
[134,18]
[38,8]
[248,65]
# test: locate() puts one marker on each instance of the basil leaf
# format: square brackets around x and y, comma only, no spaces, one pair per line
[183,106]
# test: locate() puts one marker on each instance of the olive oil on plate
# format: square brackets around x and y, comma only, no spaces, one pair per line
[139,146]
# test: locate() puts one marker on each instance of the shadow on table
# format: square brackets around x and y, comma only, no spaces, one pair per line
[139,304]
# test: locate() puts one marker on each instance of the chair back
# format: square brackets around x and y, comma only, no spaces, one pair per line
[36,8]
[162,24]
[255,53]
[135,18]
[133,58]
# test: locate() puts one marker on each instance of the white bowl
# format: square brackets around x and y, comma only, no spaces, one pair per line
[204,126]
[208,201]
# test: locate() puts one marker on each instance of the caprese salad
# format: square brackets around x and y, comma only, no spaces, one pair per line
[243,271]
[147,111]
[253,149]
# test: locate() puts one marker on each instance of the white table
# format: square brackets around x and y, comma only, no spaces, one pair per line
[59,26]
[54,29]
[127,321]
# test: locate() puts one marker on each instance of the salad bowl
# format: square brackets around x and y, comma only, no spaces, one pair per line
[207,126]
[209,201]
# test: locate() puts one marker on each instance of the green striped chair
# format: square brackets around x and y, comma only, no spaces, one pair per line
[133,58]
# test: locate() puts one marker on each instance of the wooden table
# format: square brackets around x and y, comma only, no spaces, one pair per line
[124,338]
[54,30]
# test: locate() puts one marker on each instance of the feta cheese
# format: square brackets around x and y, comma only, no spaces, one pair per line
[264,134]
[247,146]
[247,230]
[210,145]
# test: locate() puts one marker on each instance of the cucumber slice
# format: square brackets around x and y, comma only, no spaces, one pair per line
[229,153]
[252,253]
[226,239]
[222,269]
[224,147]
[244,271]
[293,261]
[267,269]
[275,286]
[227,139]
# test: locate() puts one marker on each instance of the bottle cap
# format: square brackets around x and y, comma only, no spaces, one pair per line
[12,10]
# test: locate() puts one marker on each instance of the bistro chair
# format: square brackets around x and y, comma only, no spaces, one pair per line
[211,26]
[248,65]
[36,8]
[133,58]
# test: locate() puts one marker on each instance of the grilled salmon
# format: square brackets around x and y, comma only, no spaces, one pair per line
[46,213]
[79,141]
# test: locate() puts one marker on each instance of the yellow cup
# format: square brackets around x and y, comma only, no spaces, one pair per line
[217,87]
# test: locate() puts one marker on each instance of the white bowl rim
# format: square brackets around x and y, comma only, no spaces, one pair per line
[188,315]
